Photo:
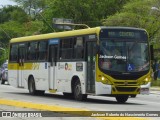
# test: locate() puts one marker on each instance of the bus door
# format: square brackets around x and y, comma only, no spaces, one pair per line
[53,45]
[21,65]
[91,58]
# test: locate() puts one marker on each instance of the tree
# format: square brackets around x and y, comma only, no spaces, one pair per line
[28,5]
[15,13]
[88,12]
[13,29]
[137,13]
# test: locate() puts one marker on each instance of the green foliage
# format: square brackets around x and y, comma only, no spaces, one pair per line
[27,19]
[14,13]
[155,82]
[28,5]
[4,55]
[16,29]
[13,29]
[138,13]
[33,27]
[88,12]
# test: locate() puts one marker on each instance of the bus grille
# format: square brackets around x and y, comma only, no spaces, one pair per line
[126,77]
[126,89]
[128,83]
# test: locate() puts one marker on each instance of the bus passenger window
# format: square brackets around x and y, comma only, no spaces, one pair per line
[79,48]
[14,53]
[32,51]
[66,48]
[42,50]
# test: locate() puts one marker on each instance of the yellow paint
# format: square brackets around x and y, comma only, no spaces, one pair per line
[13,66]
[52,91]
[27,66]
[122,118]
[56,35]
[60,109]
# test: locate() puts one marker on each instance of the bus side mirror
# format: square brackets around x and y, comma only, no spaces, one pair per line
[151,52]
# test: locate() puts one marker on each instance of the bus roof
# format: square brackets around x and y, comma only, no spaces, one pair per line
[119,27]
[67,34]
[56,35]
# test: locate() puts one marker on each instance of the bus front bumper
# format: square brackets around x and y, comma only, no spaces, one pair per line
[104,89]
[145,89]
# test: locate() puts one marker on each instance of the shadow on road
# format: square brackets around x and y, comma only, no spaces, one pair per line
[92,100]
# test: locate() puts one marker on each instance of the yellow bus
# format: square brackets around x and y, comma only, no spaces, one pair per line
[108,61]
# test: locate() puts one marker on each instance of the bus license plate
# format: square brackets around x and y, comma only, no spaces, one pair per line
[144,91]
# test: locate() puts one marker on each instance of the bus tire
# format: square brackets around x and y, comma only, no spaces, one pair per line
[78,92]
[122,98]
[68,95]
[32,88]
[133,96]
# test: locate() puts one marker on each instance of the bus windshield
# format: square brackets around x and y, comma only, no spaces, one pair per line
[123,55]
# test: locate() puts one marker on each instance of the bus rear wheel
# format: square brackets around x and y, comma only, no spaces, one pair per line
[32,88]
[122,98]
[78,92]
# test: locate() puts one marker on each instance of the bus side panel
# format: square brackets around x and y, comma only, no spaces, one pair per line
[66,71]
[13,74]
[39,71]
[84,77]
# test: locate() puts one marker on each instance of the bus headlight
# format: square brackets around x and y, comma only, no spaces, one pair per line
[105,80]
[145,81]
[102,78]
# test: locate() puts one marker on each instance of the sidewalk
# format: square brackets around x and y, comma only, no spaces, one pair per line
[155,90]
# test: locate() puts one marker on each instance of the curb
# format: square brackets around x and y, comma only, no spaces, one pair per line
[61,109]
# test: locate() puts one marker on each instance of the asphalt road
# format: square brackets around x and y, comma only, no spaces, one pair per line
[93,103]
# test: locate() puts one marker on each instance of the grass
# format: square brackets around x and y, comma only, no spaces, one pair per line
[156,82]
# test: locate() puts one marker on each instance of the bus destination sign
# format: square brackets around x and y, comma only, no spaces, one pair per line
[124,34]
[121,34]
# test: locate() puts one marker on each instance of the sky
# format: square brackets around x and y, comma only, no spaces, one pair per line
[6,2]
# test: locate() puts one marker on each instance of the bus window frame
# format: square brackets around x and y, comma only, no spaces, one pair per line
[13,61]
[29,44]
[47,51]
[73,39]
[60,48]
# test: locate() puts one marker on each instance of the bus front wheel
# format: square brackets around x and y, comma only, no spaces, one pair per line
[78,92]
[32,88]
[122,99]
